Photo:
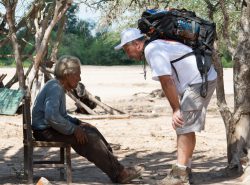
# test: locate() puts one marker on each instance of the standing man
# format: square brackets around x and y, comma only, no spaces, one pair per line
[50,122]
[181,84]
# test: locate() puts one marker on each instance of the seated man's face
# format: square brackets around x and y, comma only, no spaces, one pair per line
[73,79]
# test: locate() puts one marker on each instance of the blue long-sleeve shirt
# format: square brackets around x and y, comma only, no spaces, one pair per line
[49,110]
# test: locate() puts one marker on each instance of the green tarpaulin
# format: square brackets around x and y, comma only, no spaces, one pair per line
[10,100]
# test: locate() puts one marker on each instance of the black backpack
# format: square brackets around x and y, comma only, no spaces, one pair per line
[183,26]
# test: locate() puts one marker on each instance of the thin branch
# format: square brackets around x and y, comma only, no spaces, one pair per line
[10,12]
[71,95]
[55,47]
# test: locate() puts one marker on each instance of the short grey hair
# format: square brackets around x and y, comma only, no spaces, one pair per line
[66,65]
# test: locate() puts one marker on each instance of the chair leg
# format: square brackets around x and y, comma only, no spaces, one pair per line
[25,161]
[68,163]
[62,160]
[29,158]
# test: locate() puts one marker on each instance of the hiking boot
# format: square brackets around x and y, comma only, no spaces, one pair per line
[129,174]
[177,176]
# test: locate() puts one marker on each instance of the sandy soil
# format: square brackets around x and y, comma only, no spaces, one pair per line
[144,138]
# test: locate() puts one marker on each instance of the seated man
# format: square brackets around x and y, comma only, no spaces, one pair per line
[50,122]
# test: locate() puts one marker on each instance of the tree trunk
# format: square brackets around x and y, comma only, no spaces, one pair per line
[240,124]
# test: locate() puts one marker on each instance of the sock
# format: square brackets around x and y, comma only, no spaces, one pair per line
[181,165]
[189,163]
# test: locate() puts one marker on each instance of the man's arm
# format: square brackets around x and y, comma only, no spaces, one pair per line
[169,88]
[54,99]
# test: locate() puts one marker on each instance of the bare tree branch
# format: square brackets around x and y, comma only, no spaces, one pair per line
[55,47]
[60,9]
[10,13]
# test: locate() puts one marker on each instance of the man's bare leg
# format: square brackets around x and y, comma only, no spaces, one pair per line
[185,147]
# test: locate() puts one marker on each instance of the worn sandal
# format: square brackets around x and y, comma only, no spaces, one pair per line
[129,174]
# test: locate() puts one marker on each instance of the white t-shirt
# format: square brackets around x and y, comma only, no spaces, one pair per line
[159,53]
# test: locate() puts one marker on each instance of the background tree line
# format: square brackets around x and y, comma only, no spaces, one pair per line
[77,40]
[92,49]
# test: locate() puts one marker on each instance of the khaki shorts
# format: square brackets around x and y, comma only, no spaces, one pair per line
[194,108]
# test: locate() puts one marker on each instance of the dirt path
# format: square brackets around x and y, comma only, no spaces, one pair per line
[145,139]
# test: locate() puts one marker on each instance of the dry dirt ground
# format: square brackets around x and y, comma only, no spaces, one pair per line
[143,136]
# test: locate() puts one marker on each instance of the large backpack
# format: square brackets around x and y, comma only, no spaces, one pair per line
[185,27]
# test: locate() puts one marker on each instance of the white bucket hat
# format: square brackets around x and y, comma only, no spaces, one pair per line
[129,35]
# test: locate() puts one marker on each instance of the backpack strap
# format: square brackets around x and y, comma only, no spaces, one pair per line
[203,71]
[178,59]
[144,60]
[206,67]
[182,57]
[203,68]
[198,55]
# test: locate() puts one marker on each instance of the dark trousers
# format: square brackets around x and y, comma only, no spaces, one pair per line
[96,150]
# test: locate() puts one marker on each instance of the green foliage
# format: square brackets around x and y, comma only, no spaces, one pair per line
[226,58]
[11,63]
[92,50]
[6,62]
[72,19]
[103,53]
[5,50]
[226,63]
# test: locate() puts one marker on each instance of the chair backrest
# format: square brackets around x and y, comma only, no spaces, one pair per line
[27,131]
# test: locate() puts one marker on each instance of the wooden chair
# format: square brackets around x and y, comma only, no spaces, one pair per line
[30,143]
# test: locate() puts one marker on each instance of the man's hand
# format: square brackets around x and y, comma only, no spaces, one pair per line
[80,135]
[170,91]
[177,120]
